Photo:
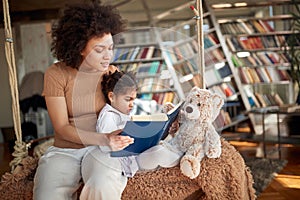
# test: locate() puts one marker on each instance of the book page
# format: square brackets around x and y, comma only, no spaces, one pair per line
[177,106]
[153,117]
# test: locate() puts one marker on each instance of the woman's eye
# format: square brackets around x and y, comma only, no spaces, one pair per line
[99,50]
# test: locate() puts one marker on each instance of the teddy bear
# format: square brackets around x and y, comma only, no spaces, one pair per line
[196,136]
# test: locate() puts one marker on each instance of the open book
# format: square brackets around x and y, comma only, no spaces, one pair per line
[147,131]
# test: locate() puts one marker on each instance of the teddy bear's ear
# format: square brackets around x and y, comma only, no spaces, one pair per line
[218,102]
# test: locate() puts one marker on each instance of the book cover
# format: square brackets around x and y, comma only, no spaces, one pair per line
[147,131]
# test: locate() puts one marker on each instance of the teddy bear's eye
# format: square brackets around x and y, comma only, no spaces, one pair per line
[199,104]
[191,101]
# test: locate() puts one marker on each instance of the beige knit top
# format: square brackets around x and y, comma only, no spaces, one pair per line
[83,95]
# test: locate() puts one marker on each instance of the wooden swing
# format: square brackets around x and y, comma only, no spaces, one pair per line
[224,178]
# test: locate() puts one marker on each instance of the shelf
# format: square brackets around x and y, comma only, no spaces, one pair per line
[267,18]
[235,121]
[120,62]
[261,34]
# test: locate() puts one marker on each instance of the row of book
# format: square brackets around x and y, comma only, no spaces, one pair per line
[154,84]
[250,75]
[246,27]
[255,42]
[149,69]
[261,100]
[260,59]
[133,53]
[188,50]
[144,68]
[222,120]
[160,98]
[225,89]
[216,76]
[186,68]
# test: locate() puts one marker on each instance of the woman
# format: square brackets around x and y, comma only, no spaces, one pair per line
[83,44]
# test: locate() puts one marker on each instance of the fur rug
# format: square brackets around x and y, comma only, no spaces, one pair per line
[263,171]
[226,177]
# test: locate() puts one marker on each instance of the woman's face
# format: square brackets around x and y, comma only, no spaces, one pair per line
[123,102]
[97,54]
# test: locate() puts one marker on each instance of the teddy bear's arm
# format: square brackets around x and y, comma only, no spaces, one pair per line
[213,143]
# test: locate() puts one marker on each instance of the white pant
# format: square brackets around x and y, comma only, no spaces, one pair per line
[60,170]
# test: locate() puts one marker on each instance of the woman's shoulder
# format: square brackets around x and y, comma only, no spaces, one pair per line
[60,67]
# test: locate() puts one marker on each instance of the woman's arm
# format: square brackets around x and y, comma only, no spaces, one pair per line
[57,110]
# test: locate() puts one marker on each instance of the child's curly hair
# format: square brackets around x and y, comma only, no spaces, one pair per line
[79,23]
[118,82]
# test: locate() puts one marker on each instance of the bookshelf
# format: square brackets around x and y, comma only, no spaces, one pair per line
[139,50]
[220,77]
[255,45]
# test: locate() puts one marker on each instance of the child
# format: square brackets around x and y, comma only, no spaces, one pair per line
[120,90]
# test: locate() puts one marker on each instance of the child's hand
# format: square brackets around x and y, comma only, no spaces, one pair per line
[174,127]
[118,142]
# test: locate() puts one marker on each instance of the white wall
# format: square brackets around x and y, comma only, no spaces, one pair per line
[32,53]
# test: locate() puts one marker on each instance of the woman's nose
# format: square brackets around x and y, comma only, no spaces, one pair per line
[108,54]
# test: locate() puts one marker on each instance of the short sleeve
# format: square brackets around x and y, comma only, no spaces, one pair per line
[107,123]
[54,82]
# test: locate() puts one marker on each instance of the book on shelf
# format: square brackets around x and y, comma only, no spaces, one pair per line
[278,99]
[228,89]
[243,76]
[266,100]
[224,71]
[134,53]
[261,100]
[266,25]
[212,77]
[258,26]
[150,52]
[247,27]
[147,131]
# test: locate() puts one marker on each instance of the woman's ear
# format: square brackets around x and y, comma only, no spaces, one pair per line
[110,96]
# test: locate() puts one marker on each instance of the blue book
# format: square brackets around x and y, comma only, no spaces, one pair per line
[147,131]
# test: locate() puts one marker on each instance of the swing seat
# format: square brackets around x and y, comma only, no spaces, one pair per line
[224,178]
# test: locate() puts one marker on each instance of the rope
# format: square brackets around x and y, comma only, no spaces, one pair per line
[20,146]
[200,41]
[199,23]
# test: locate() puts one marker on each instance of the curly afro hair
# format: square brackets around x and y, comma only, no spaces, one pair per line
[118,82]
[80,23]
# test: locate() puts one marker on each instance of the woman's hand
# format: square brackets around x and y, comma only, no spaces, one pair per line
[118,142]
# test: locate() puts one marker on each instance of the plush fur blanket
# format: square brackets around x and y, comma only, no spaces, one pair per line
[225,178]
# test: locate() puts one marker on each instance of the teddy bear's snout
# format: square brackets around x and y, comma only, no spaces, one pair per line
[189,109]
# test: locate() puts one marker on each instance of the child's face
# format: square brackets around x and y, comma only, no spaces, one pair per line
[123,102]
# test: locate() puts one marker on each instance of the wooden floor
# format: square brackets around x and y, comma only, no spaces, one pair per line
[285,186]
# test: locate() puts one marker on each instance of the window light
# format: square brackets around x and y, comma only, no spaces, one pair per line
[240,4]
[221,5]
[243,54]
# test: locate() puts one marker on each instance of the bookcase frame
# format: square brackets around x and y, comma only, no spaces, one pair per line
[237,104]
